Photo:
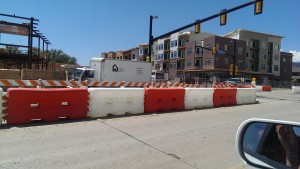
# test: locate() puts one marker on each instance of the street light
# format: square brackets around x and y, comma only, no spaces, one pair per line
[150,36]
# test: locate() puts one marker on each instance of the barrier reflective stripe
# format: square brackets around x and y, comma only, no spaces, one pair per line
[266,88]
[163,99]
[25,104]
[224,97]
[198,98]
[116,101]
[246,96]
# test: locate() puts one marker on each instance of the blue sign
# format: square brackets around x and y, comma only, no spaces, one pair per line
[221,52]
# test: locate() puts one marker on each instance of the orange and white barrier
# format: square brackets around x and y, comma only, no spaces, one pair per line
[1,105]
[198,98]
[266,88]
[115,101]
[26,104]
[245,96]
[296,89]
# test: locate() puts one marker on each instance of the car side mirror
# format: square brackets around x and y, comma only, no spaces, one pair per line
[266,143]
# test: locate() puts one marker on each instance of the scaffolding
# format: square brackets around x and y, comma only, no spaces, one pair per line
[32,58]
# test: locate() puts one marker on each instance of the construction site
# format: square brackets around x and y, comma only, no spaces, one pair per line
[30,61]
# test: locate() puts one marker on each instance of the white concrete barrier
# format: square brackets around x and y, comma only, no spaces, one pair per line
[116,101]
[245,96]
[296,89]
[258,88]
[198,98]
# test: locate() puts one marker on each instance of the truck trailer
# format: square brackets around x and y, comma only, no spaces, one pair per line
[111,70]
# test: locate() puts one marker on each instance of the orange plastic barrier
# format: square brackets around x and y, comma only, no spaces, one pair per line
[224,97]
[266,88]
[24,105]
[163,99]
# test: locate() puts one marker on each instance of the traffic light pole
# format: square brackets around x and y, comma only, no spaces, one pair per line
[150,39]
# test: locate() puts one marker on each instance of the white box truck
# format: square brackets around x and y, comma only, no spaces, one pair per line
[114,71]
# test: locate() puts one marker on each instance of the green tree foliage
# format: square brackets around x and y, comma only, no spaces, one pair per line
[13,49]
[57,55]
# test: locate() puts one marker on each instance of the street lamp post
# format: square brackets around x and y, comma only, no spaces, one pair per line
[150,36]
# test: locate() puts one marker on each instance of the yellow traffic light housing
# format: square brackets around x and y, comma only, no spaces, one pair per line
[258,6]
[236,70]
[223,17]
[213,50]
[197,28]
[147,59]
[231,69]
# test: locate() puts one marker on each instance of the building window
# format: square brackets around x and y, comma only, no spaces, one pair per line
[175,43]
[141,51]
[265,56]
[240,64]
[189,63]
[270,69]
[240,50]
[133,56]
[225,47]
[277,46]
[276,68]
[175,54]
[189,51]
[209,47]
[247,54]
[207,62]
[197,50]
[262,67]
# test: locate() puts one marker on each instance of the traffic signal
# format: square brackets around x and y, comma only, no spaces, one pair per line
[223,17]
[231,69]
[236,70]
[213,50]
[197,28]
[258,6]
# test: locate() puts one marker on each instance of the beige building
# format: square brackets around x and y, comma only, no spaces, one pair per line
[262,52]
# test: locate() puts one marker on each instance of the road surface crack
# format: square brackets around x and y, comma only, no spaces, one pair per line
[149,145]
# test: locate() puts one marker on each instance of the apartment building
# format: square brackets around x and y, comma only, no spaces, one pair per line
[130,54]
[143,52]
[169,54]
[262,53]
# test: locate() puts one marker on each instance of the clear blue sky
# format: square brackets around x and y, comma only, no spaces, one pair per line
[86,28]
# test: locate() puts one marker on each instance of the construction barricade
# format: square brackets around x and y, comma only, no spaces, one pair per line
[296,89]
[115,101]
[224,97]
[258,88]
[266,88]
[245,96]
[25,104]
[198,98]
[1,105]
[163,99]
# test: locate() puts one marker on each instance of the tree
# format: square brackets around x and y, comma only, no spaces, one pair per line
[13,49]
[57,55]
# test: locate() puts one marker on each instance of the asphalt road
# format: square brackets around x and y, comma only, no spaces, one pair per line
[187,139]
